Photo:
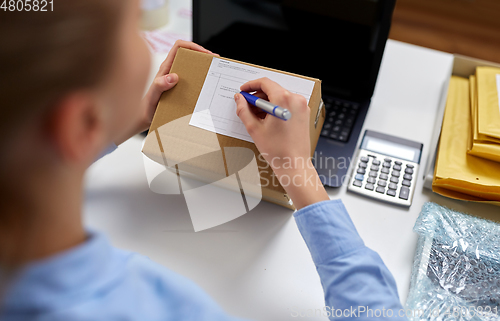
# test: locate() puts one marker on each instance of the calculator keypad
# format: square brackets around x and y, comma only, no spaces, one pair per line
[383,177]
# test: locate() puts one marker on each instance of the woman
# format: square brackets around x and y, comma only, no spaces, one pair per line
[71,86]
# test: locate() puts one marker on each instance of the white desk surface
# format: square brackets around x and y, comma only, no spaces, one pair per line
[258,266]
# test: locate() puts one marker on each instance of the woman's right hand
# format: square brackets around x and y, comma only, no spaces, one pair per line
[277,140]
[285,145]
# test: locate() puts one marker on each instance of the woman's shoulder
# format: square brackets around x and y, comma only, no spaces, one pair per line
[97,281]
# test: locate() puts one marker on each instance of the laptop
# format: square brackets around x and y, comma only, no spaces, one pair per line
[340,42]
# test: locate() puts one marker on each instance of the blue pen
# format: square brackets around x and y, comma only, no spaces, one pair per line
[268,107]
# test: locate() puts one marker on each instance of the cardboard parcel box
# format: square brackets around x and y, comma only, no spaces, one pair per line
[210,157]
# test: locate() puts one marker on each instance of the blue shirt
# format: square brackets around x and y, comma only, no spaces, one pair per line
[95,281]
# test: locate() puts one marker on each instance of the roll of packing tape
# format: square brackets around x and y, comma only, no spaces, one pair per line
[155,14]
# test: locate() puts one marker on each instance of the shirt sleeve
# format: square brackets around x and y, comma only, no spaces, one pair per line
[355,280]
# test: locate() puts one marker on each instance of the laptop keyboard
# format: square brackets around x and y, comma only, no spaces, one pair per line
[340,118]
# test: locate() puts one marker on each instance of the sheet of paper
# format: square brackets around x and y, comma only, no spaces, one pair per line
[215,109]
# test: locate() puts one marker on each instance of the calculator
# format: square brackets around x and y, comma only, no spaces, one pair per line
[386,168]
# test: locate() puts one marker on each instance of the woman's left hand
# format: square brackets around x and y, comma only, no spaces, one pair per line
[164,80]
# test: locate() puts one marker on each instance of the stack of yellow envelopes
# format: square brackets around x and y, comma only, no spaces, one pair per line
[485,108]
[458,174]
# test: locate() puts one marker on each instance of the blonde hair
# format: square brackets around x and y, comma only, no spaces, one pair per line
[44,55]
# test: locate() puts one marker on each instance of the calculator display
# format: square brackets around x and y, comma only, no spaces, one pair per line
[396,147]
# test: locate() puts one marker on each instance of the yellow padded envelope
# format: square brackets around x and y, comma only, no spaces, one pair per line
[457,174]
[488,106]
[480,145]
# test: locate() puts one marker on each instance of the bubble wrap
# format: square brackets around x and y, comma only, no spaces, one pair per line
[456,271]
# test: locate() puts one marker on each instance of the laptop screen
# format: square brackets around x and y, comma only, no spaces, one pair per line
[340,42]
